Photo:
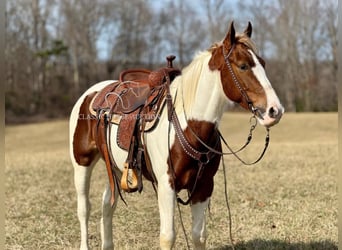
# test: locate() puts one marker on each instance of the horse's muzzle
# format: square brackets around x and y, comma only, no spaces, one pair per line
[272,115]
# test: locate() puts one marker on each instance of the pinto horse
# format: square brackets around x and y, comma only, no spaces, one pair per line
[229,71]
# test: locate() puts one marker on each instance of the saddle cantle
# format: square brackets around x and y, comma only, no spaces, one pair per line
[134,104]
[134,75]
[153,78]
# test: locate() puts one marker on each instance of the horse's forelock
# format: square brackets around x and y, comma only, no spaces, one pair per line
[240,38]
[249,43]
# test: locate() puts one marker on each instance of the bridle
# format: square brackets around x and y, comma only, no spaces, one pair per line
[250,104]
[204,157]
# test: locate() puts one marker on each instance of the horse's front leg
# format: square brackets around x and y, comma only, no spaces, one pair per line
[107,218]
[166,201]
[199,235]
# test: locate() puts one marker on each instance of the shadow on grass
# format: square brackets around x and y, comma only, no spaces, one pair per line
[259,244]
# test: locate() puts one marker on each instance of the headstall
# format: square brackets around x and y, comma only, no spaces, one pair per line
[250,105]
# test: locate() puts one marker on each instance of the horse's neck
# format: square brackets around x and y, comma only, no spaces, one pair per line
[201,93]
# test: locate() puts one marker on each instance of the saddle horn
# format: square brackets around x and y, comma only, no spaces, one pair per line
[169,59]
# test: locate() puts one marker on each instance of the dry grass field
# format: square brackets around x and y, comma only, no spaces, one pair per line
[287,201]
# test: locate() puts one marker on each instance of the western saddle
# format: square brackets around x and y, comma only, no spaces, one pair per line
[133,103]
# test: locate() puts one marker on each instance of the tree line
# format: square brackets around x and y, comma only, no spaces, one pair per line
[55,49]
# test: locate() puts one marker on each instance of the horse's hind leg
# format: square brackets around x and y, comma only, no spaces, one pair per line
[84,156]
[82,184]
[198,211]
[106,220]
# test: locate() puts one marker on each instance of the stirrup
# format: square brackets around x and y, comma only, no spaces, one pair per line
[129,179]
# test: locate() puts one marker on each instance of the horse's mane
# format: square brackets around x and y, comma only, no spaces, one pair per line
[190,79]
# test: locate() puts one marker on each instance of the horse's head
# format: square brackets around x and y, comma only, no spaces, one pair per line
[243,76]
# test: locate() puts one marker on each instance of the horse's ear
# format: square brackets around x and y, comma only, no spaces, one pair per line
[248,30]
[230,37]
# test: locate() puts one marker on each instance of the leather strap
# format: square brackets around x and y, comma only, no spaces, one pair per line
[147,159]
[102,145]
[202,157]
[250,104]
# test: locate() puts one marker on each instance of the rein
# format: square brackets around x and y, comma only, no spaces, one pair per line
[232,152]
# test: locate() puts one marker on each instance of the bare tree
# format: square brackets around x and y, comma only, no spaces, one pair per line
[52,47]
[130,22]
[326,92]
[184,30]
[218,15]
[329,20]
[28,30]
[81,28]
[293,35]
[260,13]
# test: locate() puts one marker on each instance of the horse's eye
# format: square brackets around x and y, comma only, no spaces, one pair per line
[244,67]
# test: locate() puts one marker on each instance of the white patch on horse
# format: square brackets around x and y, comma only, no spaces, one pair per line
[199,234]
[210,99]
[259,72]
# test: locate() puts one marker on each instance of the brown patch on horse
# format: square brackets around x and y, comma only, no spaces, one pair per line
[238,58]
[84,146]
[185,168]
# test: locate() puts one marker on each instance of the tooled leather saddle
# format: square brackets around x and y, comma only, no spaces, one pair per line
[134,104]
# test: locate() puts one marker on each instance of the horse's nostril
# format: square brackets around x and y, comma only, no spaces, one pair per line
[273,112]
